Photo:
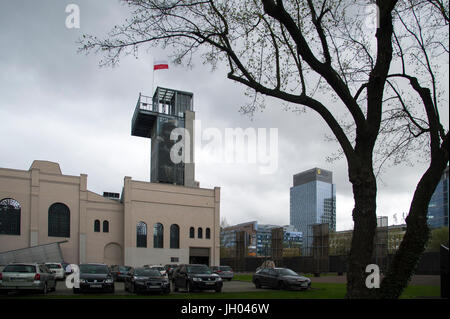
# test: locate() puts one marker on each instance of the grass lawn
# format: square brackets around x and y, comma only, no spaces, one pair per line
[319,291]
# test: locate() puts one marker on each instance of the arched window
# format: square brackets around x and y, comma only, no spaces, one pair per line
[141,235]
[200,232]
[58,220]
[208,233]
[158,236]
[9,217]
[192,232]
[106,226]
[97,226]
[174,236]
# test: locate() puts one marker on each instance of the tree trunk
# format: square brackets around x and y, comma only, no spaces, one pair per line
[414,242]
[365,223]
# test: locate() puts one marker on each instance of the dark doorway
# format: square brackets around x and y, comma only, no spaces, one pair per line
[199,255]
[199,260]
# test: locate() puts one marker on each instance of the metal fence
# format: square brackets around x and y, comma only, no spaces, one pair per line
[428,265]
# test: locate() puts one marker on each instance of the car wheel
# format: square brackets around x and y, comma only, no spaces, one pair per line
[218,289]
[280,285]
[76,290]
[257,284]
[229,279]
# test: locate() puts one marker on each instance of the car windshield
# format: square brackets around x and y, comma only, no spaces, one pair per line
[198,270]
[145,272]
[94,269]
[53,266]
[287,272]
[20,268]
[124,268]
[225,268]
[158,268]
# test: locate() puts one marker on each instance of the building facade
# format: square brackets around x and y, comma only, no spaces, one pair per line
[312,201]
[169,220]
[438,206]
[259,236]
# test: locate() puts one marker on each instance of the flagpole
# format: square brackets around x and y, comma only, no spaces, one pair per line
[153,76]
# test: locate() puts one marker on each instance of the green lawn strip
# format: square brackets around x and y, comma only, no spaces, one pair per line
[412,292]
[318,291]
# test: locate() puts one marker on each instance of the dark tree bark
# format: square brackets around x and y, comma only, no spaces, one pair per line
[365,221]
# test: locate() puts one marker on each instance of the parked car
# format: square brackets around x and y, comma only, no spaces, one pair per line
[196,277]
[95,277]
[67,270]
[27,276]
[57,269]
[160,268]
[280,278]
[169,270]
[119,272]
[225,272]
[145,279]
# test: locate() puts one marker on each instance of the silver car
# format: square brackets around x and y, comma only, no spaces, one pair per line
[27,276]
[57,269]
[225,272]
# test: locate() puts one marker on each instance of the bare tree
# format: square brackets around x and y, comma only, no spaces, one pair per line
[386,79]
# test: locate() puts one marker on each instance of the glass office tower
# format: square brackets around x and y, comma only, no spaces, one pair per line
[438,206]
[313,201]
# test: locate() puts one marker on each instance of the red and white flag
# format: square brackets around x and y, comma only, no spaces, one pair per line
[160,65]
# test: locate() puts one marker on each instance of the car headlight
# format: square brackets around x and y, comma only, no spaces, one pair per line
[82,281]
[196,279]
[109,281]
[218,279]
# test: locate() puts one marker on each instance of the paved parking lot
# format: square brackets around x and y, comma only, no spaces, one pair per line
[228,286]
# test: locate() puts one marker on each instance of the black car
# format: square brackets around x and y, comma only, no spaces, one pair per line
[196,277]
[95,277]
[119,272]
[280,278]
[146,279]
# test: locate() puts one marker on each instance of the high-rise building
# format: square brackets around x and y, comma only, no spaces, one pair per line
[438,206]
[313,201]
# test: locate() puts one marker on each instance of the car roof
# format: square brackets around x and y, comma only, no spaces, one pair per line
[94,264]
[195,265]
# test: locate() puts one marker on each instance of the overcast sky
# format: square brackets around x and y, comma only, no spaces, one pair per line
[59,106]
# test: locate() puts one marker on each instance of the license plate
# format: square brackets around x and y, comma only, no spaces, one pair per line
[96,286]
[210,283]
[17,279]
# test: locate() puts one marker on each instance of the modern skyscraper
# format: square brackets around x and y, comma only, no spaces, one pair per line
[438,206]
[313,201]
